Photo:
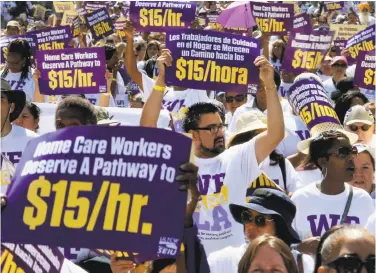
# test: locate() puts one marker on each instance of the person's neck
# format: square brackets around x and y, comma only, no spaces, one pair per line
[332,186]
[7,129]
[338,77]
[262,107]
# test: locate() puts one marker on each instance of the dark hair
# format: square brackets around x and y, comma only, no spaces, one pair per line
[274,57]
[109,51]
[22,48]
[151,43]
[344,103]
[34,110]
[85,107]
[321,144]
[195,111]
[274,243]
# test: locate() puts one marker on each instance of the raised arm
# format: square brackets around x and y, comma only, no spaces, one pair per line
[152,107]
[130,59]
[267,141]
[38,97]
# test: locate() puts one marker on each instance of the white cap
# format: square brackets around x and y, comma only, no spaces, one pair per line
[359,113]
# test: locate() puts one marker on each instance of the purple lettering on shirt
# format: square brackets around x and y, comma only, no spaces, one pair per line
[204,182]
[282,91]
[303,134]
[220,216]
[322,225]
[93,101]
[196,220]
[170,105]
[17,85]
[13,157]
[70,253]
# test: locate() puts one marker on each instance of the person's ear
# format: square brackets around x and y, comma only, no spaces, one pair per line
[323,162]
[12,107]
[194,134]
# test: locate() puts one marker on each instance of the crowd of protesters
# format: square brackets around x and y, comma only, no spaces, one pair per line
[319,216]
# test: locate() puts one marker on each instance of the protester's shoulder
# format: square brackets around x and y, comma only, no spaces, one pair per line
[20,132]
[362,194]
[306,191]
[225,255]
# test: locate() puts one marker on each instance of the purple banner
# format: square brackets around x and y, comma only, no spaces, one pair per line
[95,5]
[100,24]
[5,41]
[310,101]
[302,22]
[273,18]
[162,15]
[362,41]
[30,258]
[107,189]
[365,70]
[339,45]
[53,38]
[72,71]
[210,60]
[306,50]
[332,6]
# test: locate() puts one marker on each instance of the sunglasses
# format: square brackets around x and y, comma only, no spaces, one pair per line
[345,152]
[355,128]
[259,220]
[238,98]
[339,65]
[353,264]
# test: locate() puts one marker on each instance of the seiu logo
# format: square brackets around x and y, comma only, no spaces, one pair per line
[168,246]
[204,182]
[321,224]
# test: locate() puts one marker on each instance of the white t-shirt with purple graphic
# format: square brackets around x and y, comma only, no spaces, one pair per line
[12,147]
[317,212]
[176,102]
[223,180]
[27,85]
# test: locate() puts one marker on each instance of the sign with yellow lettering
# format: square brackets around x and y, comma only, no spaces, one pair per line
[343,31]
[362,41]
[72,71]
[68,17]
[100,189]
[22,258]
[162,15]
[306,50]
[39,12]
[63,6]
[365,73]
[212,60]
[5,41]
[53,38]
[99,23]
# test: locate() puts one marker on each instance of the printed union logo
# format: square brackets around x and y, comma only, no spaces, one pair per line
[102,88]
[168,246]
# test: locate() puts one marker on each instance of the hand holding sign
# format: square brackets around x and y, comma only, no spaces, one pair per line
[266,71]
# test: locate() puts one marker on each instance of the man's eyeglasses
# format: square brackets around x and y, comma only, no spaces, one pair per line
[355,128]
[238,98]
[339,65]
[213,128]
[259,220]
[353,264]
[345,152]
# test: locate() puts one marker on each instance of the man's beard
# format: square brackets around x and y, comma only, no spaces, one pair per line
[215,150]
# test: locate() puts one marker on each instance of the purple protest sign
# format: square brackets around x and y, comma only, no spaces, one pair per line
[365,74]
[306,50]
[119,26]
[210,60]
[339,45]
[362,41]
[5,41]
[107,189]
[162,15]
[273,18]
[53,38]
[302,22]
[95,5]
[30,258]
[72,71]
[310,101]
[332,6]
[99,23]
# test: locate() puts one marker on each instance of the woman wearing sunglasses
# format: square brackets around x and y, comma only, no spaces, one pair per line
[233,101]
[360,120]
[346,249]
[270,212]
[331,201]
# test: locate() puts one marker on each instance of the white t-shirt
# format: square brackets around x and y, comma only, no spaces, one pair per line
[12,147]
[95,98]
[227,260]
[329,87]
[176,102]
[27,85]
[322,76]
[275,173]
[371,224]
[70,267]
[223,180]
[317,212]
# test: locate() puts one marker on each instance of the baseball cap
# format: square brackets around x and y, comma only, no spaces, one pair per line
[339,59]
[359,113]
[13,24]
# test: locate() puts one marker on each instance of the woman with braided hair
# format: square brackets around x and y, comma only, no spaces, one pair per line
[17,71]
